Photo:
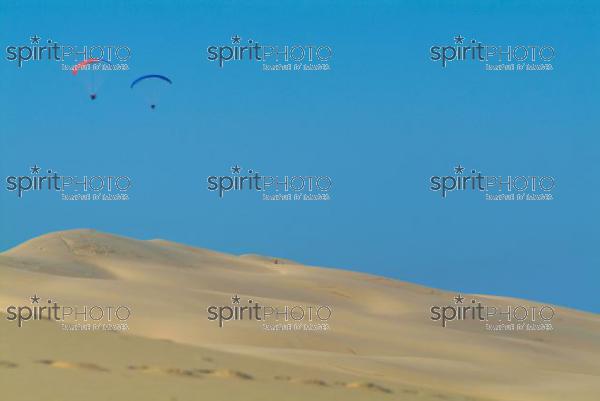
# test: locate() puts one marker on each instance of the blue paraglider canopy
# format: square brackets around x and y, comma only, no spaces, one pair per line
[150,76]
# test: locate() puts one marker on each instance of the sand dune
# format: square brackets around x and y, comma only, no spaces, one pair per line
[381,343]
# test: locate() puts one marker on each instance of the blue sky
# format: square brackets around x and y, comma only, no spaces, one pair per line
[380,123]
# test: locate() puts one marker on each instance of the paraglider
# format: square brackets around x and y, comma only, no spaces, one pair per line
[89,61]
[84,65]
[152,78]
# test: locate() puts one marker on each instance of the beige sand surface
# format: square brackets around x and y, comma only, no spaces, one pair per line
[381,344]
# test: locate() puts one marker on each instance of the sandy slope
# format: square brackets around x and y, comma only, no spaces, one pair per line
[382,344]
